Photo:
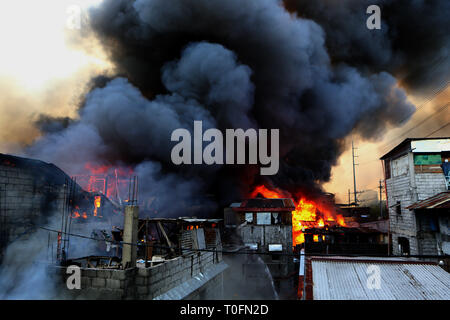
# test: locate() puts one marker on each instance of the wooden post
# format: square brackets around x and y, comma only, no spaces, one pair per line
[166,237]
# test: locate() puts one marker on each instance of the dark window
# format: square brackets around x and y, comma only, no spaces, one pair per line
[387,168]
[276,257]
[277,219]
[403,245]
[398,208]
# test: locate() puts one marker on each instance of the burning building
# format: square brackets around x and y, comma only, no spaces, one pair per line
[33,192]
[170,259]
[223,63]
[265,225]
[308,212]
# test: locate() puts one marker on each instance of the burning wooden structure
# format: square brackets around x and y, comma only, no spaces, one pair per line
[165,238]
[344,240]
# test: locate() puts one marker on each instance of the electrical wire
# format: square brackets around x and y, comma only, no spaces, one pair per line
[418,124]
[235,252]
[437,130]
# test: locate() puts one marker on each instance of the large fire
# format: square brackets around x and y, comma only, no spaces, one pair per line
[307,213]
[109,181]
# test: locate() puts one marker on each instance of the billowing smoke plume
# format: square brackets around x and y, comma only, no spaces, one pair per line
[413,42]
[231,64]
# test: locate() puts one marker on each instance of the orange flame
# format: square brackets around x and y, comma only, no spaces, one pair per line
[76,214]
[263,190]
[106,179]
[97,203]
[309,211]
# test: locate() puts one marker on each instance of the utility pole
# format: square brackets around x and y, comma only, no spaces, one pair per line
[349,197]
[381,207]
[354,175]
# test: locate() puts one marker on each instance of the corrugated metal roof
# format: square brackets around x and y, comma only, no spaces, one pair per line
[438,201]
[407,142]
[335,279]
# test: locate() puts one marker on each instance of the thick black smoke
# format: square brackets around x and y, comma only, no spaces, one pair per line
[231,64]
[413,42]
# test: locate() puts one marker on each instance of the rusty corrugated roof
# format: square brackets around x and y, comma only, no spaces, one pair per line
[438,201]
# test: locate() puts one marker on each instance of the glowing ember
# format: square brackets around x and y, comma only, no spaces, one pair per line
[76,213]
[307,213]
[321,223]
[97,203]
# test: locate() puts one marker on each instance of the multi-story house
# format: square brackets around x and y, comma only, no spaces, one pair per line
[417,182]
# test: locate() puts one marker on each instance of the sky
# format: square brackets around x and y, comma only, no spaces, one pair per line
[429,116]
[43,70]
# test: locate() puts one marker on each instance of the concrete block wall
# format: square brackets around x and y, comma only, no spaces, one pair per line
[400,188]
[25,199]
[140,283]
[404,224]
[210,291]
[427,243]
[96,283]
[154,281]
[429,184]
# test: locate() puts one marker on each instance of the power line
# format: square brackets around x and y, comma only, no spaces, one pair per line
[431,97]
[414,127]
[437,130]
[437,92]
[425,102]
[418,124]
[440,128]
[232,252]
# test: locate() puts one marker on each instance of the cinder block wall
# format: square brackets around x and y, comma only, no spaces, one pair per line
[139,283]
[399,188]
[25,197]
[429,184]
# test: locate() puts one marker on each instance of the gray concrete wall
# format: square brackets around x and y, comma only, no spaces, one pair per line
[144,283]
[213,290]
[429,184]
[25,198]
[430,242]
[400,188]
[409,188]
[264,235]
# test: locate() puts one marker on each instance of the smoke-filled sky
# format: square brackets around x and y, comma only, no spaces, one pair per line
[113,91]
